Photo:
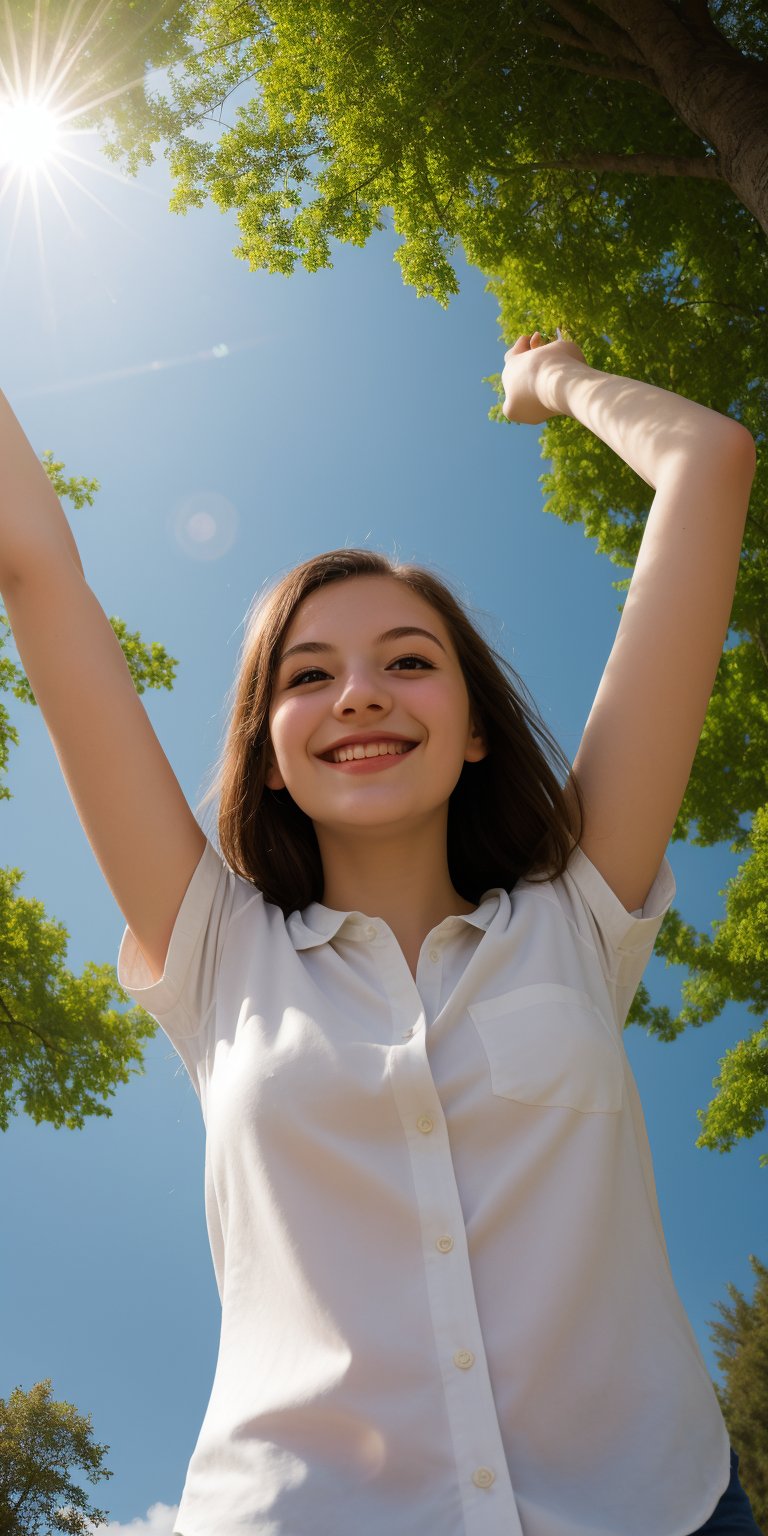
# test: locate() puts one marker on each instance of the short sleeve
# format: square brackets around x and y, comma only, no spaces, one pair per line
[182,999]
[622,940]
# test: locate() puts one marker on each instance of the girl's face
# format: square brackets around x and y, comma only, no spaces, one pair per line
[344,672]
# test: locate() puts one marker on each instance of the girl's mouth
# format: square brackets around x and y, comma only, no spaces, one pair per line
[373,764]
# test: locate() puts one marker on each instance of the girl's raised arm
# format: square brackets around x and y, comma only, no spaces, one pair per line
[641,736]
[131,806]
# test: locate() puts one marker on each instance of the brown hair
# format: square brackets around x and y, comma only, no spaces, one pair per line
[507,816]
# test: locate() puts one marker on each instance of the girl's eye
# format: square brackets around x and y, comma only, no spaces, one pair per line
[312,673]
[302,676]
[418,659]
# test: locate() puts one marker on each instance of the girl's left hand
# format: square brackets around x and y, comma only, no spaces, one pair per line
[521,379]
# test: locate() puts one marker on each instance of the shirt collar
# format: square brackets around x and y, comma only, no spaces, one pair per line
[318,924]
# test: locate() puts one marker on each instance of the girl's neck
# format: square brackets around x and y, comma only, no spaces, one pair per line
[401,878]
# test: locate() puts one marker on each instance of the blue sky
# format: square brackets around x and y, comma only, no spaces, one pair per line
[280,417]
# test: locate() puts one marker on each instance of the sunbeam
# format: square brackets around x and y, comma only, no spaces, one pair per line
[92,195]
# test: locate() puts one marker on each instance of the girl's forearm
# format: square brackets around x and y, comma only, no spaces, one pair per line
[648,427]
[32,522]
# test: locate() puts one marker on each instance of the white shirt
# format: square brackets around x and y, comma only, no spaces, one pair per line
[447,1305]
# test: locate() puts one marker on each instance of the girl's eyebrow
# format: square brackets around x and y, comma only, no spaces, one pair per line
[315,647]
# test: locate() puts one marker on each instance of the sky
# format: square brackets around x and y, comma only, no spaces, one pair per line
[238,423]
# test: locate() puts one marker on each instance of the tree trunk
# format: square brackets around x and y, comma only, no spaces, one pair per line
[718,92]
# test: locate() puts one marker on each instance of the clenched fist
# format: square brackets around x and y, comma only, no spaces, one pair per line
[526,365]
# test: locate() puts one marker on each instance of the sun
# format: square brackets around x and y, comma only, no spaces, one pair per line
[30,134]
[46,112]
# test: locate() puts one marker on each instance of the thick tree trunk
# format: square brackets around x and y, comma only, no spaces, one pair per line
[719,93]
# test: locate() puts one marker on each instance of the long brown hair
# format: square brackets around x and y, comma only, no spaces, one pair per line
[508,815]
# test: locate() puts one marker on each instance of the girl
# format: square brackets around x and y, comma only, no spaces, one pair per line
[447,1306]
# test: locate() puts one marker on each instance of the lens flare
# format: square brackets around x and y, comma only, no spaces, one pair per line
[46,101]
[204,525]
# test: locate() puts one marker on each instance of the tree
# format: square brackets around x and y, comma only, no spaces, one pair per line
[605,162]
[40,1442]
[63,1048]
[743,1358]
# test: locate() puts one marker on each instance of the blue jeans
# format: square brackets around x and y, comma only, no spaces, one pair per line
[733,1515]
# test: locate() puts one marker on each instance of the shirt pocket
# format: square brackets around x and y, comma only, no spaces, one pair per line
[548,1044]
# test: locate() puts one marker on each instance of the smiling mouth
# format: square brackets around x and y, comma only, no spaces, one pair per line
[370,749]
[362,758]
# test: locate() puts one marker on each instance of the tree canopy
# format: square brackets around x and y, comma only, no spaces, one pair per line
[742,1355]
[41,1442]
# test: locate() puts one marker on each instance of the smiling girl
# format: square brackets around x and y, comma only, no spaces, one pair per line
[399,986]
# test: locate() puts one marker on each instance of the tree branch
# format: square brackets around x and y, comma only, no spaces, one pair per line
[609,39]
[736,309]
[457,84]
[697,17]
[558,35]
[644,77]
[635,165]
[761,645]
[19,1024]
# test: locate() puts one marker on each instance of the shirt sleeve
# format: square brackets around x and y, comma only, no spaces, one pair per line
[183,998]
[622,940]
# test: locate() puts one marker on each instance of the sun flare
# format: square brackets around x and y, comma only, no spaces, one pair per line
[46,113]
[29,134]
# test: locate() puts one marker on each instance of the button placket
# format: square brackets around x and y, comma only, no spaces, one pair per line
[476,1437]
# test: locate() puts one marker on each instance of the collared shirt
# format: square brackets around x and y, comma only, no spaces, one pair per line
[447,1304]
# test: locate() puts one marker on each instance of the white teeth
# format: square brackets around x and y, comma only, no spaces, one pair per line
[369,749]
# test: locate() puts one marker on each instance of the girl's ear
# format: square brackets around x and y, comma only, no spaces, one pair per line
[476,748]
[273,777]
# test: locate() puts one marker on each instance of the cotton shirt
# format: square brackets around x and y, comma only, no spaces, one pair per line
[447,1304]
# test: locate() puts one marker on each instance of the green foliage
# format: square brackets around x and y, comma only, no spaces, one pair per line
[63,1045]
[442,114]
[41,1443]
[370,106]
[11,677]
[150,666]
[743,1359]
[78,489]
[730,967]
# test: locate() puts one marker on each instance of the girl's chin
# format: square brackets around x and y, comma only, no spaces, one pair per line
[376,821]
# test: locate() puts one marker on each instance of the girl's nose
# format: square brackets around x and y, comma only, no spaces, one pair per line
[361,691]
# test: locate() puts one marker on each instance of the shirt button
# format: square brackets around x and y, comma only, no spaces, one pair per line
[483,1477]
[434,954]
[464,1358]
[370,932]
[445,1244]
[425,1125]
